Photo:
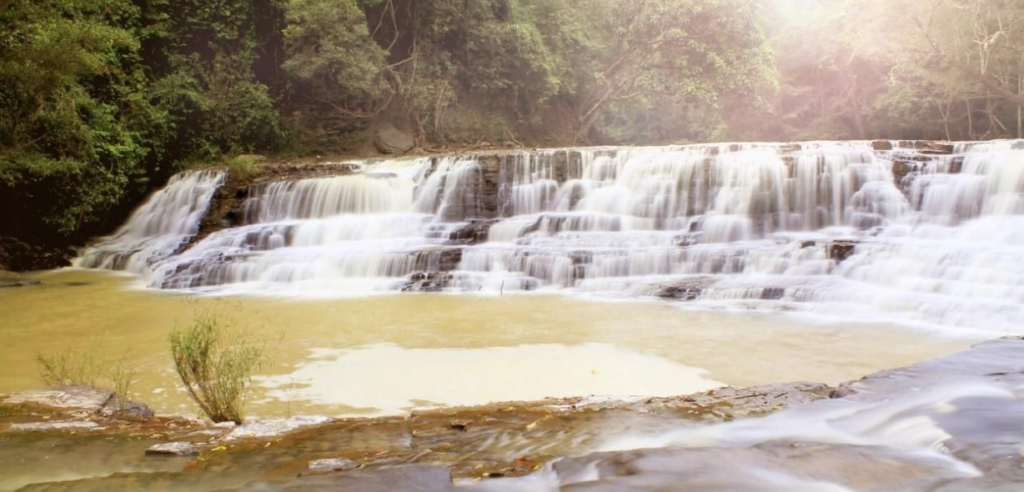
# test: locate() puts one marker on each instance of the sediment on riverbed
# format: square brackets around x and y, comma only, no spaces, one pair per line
[434,447]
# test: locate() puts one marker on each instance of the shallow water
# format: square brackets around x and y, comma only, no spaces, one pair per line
[390,353]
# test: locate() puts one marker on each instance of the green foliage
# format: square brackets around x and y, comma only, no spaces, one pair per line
[70,368]
[215,363]
[83,368]
[100,100]
[122,375]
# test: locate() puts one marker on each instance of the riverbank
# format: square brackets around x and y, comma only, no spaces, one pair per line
[855,435]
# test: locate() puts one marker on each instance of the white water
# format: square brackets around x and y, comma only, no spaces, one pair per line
[158,228]
[736,226]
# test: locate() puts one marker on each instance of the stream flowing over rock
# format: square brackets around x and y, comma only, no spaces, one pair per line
[923,232]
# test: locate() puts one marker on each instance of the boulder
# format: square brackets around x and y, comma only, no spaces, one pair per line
[120,407]
[389,140]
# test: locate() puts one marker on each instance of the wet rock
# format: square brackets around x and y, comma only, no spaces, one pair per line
[900,170]
[770,466]
[840,251]
[9,279]
[685,290]
[330,465]
[409,478]
[474,233]
[443,260]
[173,449]
[773,293]
[273,428]
[64,425]
[935,148]
[389,140]
[82,398]
[732,403]
[119,407]
[429,282]
[881,145]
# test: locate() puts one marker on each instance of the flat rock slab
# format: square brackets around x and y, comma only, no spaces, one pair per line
[62,398]
[273,428]
[64,425]
[409,478]
[771,466]
[173,449]
[332,465]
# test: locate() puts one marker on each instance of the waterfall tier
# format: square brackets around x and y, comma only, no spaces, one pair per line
[926,233]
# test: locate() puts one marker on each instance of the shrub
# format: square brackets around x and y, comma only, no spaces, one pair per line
[69,368]
[122,376]
[215,364]
[242,166]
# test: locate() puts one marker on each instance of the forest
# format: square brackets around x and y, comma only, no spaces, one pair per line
[102,100]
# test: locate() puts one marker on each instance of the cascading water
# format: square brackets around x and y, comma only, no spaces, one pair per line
[933,234]
[159,228]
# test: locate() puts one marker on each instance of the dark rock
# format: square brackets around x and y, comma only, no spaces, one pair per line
[474,233]
[389,140]
[119,407]
[881,145]
[773,293]
[686,290]
[935,148]
[19,256]
[428,282]
[444,260]
[839,251]
[900,170]
[173,449]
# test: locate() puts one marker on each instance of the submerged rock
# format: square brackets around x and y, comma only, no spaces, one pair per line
[330,465]
[9,279]
[410,478]
[173,449]
[64,425]
[273,428]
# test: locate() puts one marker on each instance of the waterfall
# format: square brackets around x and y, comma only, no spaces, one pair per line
[930,234]
[159,227]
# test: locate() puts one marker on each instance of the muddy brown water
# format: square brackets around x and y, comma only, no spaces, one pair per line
[388,354]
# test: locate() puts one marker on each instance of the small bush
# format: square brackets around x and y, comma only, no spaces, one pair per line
[242,166]
[122,375]
[216,365]
[69,368]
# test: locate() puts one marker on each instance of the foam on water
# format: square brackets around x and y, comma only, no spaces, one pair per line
[916,236]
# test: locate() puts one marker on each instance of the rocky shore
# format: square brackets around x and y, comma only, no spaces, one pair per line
[438,449]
